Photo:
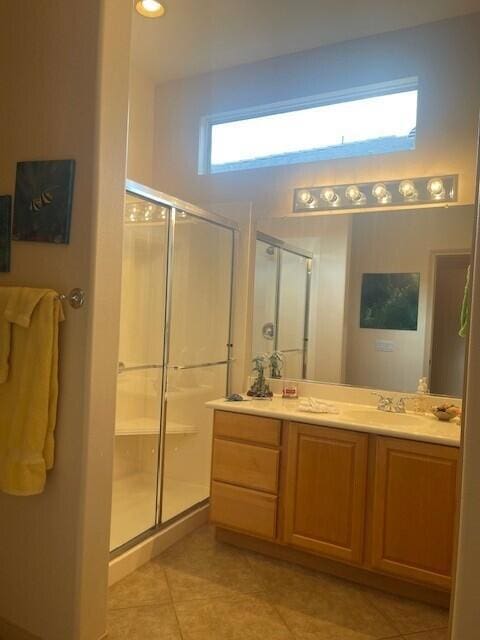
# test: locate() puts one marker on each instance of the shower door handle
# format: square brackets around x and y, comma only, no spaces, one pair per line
[184,367]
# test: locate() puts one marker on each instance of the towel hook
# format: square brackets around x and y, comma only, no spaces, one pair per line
[76,298]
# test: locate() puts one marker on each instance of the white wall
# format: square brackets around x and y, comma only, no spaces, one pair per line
[64,69]
[141,127]
[402,242]
[444,56]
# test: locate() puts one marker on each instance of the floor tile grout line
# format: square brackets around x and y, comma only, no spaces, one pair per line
[290,631]
[384,615]
[139,605]
[408,636]
[173,605]
[223,596]
[390,620]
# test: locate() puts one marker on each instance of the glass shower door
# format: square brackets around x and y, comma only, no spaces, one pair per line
[198,356]
[292,313]
[265,298]
[140,373]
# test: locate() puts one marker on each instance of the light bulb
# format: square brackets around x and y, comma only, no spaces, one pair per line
[305,197]
[132,212]
[148,213]
[354,194]
[150,8]
[381,193]
[379,190]
[408,190]
[436,188]
[328,194]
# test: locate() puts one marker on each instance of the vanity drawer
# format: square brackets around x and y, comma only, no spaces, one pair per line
[246,465]
[243,509]
[240,426]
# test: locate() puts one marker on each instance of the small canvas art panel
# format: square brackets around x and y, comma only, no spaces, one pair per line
[390,301]
[5,232]
[43,201]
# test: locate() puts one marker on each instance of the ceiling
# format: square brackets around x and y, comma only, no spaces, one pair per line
[198,36]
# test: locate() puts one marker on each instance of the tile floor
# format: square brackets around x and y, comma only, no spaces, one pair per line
[200,589]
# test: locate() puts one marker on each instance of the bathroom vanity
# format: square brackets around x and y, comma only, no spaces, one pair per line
[363,489]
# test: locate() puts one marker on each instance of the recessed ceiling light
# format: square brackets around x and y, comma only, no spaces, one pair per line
[150,8]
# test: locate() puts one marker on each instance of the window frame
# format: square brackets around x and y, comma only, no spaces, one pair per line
[297,104]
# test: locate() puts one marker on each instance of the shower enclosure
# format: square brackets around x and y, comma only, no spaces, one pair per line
[281,303]
[175,355]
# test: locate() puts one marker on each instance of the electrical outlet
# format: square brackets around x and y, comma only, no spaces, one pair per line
[384,345]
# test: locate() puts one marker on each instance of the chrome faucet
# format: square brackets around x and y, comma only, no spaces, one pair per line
[388,404]
[401,407]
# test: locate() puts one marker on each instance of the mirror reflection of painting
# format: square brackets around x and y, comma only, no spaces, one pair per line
[390,301]
[5,232]
[43,201]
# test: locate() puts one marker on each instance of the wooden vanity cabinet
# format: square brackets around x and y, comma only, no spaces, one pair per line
[413,514]
[325,491]
[381,504]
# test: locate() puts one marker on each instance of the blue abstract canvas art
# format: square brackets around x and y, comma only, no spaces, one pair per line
[43,201]
[5,232]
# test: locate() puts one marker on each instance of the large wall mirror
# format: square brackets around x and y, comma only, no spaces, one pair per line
[369,299]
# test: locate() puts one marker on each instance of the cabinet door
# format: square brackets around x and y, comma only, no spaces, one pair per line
[325,491]
[415,497]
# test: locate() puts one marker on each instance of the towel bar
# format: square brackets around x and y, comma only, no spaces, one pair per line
[76,298]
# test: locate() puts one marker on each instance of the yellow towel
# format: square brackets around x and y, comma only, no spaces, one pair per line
[28,400]
[4,335]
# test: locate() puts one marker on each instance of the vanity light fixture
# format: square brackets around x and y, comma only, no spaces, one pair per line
[407,192]
[150,8]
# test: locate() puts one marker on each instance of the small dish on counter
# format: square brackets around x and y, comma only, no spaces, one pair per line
[446,412]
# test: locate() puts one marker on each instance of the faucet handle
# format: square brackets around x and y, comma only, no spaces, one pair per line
[400,403]
[384,402]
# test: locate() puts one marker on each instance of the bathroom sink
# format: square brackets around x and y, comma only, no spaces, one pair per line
[381,418]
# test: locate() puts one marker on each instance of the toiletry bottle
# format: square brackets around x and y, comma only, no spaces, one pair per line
[421,401]
[290,390]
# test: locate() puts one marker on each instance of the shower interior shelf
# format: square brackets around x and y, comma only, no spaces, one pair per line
[149,426]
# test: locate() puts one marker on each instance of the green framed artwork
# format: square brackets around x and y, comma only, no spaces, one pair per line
[390,301]
[5,232]
[43,201]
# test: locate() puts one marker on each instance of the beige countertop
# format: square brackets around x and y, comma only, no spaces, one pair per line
[356,417]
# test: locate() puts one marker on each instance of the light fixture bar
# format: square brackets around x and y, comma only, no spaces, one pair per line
[382,193]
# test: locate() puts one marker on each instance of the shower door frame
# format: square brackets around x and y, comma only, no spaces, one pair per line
[280,245]
[175,205]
